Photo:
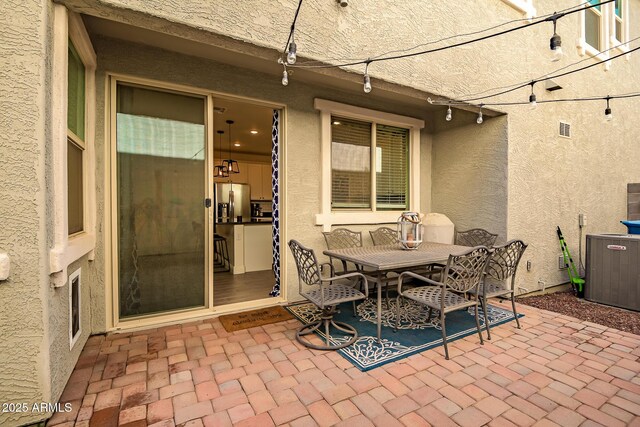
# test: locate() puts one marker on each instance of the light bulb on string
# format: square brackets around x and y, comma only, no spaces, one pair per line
[367,79]
[285,76]
[479,120]
[555,43]
[607,112]
[291,53]
[448,117]
[532,98]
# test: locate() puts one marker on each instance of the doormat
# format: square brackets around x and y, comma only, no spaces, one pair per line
[253,318]
[415,334]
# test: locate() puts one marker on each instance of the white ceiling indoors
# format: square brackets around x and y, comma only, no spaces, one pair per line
[246,117]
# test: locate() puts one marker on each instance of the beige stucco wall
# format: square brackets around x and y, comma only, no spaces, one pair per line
[35,360]
[469,173]
[23,312]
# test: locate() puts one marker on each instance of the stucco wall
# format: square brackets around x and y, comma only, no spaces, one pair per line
[23,352]
[469,174]
[301,150]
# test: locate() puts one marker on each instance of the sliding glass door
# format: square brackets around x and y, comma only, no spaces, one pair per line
[161,218]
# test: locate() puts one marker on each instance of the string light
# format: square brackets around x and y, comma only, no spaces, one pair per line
[285,76]
[448,117]
[367,79]
[550,18]
[542,79]
[532,98]
[479,120]
[607,112]
[290,49]
[555,43]
[291,54]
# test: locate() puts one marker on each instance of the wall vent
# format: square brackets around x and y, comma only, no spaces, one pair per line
[74,308]
[565,129]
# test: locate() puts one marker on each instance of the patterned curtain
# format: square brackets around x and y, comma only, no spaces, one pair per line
[275,220]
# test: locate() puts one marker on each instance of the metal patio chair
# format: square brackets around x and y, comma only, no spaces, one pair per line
[384,236]
[462,274]
[503,265]
[475,237]
[342,238]
[326,293]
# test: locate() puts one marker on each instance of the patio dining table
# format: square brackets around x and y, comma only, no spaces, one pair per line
[379,260]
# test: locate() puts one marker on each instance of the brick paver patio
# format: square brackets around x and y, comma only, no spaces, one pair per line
[555,371]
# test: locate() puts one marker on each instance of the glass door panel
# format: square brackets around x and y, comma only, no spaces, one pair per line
[161,175]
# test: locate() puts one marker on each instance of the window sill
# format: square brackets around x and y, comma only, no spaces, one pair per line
[345,218]
[60,257]
[523,6]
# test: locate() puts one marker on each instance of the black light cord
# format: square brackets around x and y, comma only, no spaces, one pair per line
[588,58]
[550,101]
[293,27]
[542,79]
[554,17]
[310,64]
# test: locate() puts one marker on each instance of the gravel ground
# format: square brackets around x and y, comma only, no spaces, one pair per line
[566,303]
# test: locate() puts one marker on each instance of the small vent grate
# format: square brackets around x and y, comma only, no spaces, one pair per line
[565,129]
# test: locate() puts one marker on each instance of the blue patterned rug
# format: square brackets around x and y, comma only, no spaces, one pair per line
[414,334]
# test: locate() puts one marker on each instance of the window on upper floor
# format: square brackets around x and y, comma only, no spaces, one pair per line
[359,147]
[604,26]
[76,145]
[524,6]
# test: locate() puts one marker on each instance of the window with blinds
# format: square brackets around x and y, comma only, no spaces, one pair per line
[350,164]
[352,160]
[392,168]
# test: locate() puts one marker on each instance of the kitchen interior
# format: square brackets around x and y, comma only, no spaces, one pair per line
[243,249]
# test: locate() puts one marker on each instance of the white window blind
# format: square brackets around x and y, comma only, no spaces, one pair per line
[392,168]
[350,164]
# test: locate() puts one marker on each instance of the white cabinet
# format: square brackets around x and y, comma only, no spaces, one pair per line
[259,178]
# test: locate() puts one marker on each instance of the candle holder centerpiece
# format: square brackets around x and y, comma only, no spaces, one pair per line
[410,230]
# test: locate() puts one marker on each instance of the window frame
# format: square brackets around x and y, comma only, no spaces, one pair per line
[524,6]
[68,26]
[608,38]
[328,216]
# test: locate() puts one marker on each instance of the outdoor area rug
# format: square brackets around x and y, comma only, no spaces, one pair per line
[414,334]
[253,318]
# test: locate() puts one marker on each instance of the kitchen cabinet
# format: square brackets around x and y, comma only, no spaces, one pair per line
[259,178]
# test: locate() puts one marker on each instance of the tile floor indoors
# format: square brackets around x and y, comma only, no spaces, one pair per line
[555,371]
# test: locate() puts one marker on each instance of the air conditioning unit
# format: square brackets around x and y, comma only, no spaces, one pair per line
[613,270]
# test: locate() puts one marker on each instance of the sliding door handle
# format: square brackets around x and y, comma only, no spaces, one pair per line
[207,203]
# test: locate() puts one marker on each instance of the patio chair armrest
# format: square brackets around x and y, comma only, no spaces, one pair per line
[332,269]
[348,276]
[416,276]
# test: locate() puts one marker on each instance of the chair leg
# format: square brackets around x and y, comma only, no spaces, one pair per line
[513,305]
[354,309]
[444,335]
[397,313]
[483,301]
[478,325]
[429,315]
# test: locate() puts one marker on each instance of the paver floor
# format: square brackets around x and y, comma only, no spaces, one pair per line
[556,370]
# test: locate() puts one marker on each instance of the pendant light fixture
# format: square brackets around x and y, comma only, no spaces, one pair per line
[231,165]
[220,171]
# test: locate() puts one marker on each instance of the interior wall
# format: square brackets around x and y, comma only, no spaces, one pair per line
[469,174]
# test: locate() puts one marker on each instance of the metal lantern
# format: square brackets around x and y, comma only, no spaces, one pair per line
[410,230]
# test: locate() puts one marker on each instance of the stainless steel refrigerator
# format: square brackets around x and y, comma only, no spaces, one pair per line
[232,201]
